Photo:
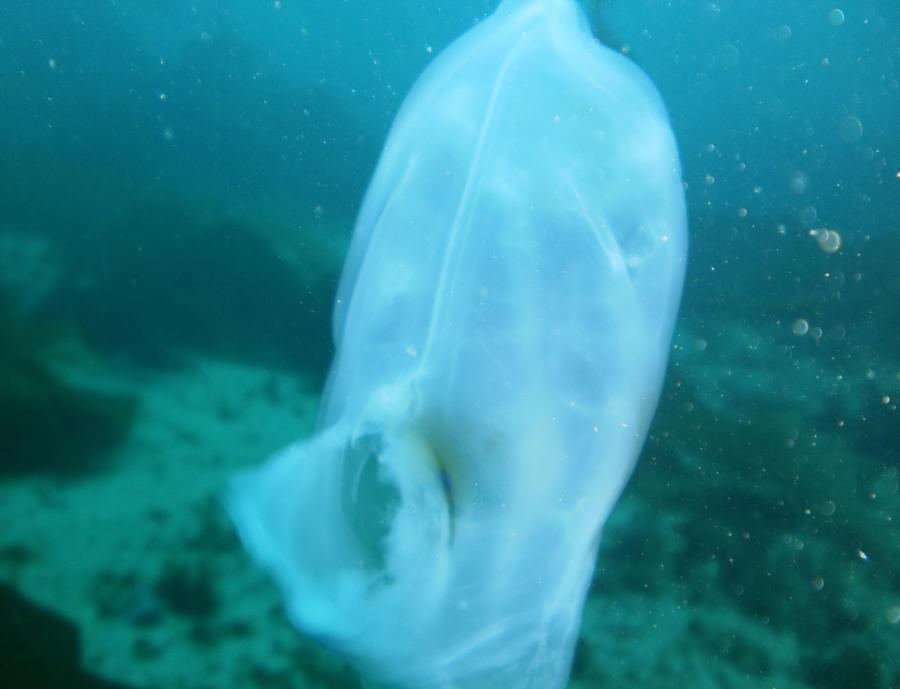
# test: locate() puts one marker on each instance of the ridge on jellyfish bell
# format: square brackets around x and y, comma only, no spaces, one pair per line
[502,328]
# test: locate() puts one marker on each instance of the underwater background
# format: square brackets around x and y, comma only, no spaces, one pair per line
[178,184]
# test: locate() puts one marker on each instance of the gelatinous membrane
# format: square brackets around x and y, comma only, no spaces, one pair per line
[502,329]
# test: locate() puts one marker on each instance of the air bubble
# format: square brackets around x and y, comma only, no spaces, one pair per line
[729,55]
[850,129]
[808,215]
[799,182]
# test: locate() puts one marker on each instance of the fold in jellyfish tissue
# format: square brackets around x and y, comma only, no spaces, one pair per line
[502,329]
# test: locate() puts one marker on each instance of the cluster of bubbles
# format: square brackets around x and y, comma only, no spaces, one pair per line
[801,327]
[828,240]
[836,17]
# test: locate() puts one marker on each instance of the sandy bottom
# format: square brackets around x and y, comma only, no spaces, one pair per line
[142,556]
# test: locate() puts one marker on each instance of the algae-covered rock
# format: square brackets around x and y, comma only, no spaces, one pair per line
[48,423]
[161,281]
[758,533]
[39,649]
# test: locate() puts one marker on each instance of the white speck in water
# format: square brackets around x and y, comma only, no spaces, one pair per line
[862,555]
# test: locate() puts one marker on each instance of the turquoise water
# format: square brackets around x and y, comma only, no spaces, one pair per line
[179,183]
